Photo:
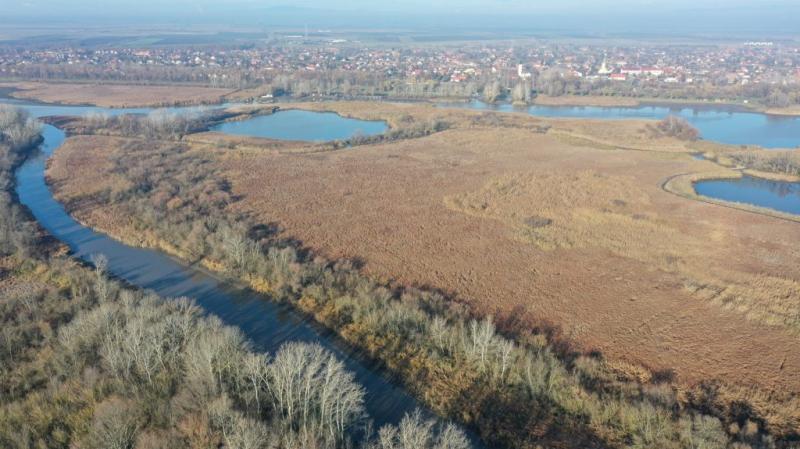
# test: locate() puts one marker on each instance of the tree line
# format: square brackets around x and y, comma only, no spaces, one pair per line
[346,84]
[783,162]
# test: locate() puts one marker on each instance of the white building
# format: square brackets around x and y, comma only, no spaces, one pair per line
[522,73]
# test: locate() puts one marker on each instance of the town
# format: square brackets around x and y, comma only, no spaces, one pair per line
[654,66]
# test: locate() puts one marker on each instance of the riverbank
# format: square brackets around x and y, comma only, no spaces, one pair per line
[121,95]
[155,364]
[612,101]
[632,102]
[792,111]
[587,100]
[267,325]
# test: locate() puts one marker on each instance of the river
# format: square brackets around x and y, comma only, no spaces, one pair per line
[266,323]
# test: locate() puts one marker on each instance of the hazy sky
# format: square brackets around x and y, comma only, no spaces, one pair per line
[610,15]
[468,6]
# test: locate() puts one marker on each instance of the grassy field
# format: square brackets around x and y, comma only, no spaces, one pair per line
[117,95]
[532,228]
[792,111]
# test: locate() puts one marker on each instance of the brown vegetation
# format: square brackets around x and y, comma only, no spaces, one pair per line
[86,363]
[791,111]
[118,95]
[785,163]
[677,127]
[622,272]
[429,344]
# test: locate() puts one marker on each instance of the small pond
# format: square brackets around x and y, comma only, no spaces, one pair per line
[778,195]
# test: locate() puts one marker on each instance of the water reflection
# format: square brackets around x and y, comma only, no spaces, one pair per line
[725,124]
[777,195]
[295,124]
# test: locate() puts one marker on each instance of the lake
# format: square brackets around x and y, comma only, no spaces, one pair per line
[724,124]
[295,124]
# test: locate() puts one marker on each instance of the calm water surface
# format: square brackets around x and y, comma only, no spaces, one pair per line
[777,195]
[729,125]
[294,124]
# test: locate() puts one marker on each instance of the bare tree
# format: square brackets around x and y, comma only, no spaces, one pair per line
[702,432]
[452,437]
[313,391]
[102,285]
[521,92]
[416,432]
[440,333]
[481,336]
[256,371]
[492,92]
[114,426]
[17,127]
[543,374]
[506,350]
[678,127]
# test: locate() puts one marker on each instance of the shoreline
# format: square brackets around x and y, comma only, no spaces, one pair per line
[612,101]
[683,185]
[10,88]
[586,101]
[782,112]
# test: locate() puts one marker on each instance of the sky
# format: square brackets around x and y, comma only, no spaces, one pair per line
[691,16]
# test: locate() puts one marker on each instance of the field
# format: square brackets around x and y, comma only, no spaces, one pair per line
[114,95]
[788,111]
[546,229]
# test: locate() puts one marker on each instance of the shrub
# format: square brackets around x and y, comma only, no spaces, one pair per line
[677,127]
